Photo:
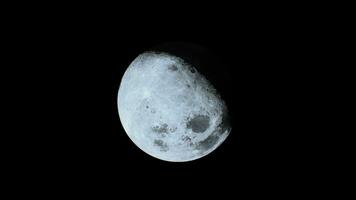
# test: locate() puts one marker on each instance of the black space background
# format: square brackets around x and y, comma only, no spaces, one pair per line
[81,57]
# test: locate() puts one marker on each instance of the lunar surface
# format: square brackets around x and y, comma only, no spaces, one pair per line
[170,110]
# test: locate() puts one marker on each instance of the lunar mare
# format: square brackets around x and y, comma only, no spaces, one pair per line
[170,110]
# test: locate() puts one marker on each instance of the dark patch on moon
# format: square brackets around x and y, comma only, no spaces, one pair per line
[147,106]
[163,146]
[173,67]
[188,85]
[209,142]
[163,128]
[192,70]
[199,123]
[225,123]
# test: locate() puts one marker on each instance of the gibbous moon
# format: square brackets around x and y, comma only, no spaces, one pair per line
[170,110]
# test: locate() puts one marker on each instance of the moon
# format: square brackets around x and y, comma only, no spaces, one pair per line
[170,110]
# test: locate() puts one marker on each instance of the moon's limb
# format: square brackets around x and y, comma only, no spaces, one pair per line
[169,110]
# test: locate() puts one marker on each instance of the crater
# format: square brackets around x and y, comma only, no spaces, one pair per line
[192,70]
[163,146]
[199,123]
[172,129]
[163,128]
[173,67]
[186,139]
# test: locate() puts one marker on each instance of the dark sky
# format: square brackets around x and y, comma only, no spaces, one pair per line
[85,56]
[258,102]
